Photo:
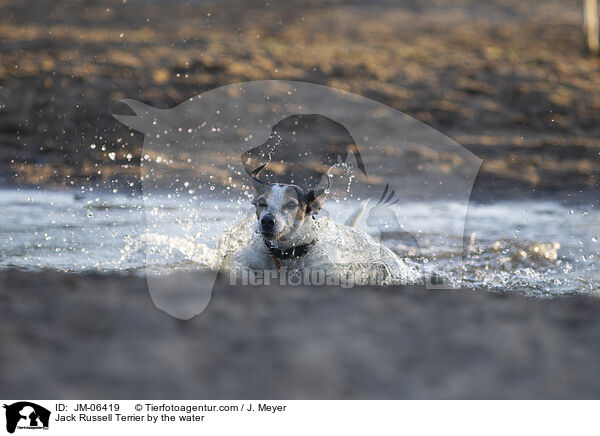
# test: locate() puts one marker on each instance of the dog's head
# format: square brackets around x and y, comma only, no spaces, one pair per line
[282,209]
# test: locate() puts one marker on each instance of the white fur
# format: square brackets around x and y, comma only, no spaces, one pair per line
[288,229]
[277,196]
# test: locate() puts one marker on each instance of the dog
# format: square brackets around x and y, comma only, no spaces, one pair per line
[285,216]
[288,237]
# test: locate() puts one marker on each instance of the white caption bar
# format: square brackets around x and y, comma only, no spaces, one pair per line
[299,417]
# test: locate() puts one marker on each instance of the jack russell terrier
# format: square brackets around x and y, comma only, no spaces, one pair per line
[288,237]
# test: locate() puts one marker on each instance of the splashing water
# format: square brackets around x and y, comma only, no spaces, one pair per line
[348,254]
[537,248]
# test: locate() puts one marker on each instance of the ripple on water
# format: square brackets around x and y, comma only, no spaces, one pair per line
[537,248]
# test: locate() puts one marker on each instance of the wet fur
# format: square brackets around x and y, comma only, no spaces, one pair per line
[291,211]
[284,214]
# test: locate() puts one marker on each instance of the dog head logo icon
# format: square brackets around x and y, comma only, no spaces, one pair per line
[26,415]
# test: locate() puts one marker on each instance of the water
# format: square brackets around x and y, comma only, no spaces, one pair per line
[537,248]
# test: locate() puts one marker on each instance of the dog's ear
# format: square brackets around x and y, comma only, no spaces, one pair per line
[314,201]
[259,185]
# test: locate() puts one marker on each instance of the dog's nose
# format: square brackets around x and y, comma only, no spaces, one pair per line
[267,222]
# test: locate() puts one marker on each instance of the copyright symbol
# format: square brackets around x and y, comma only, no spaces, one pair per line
[138,407]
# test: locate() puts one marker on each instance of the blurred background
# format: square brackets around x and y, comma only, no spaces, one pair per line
[511,80]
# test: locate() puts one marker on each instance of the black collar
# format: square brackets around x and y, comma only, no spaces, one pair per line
[287,253]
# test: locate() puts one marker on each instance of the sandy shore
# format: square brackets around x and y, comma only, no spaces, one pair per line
[100,336]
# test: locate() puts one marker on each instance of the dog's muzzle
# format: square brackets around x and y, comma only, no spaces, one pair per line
[267,225]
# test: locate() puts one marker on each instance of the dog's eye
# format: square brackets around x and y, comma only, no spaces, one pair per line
[262,203]
[291,205]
